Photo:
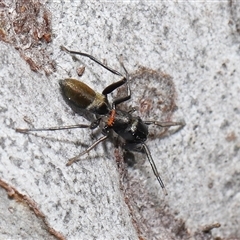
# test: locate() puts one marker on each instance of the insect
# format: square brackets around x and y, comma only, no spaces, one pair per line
[132,129]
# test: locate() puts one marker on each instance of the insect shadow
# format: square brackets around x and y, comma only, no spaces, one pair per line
[130,128]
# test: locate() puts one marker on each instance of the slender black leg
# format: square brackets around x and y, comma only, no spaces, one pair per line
[154,168]
[26,130]
[92,58]
[116,85]
[129,94]
[75,159]
[164,124]
[112,86]
[144,148]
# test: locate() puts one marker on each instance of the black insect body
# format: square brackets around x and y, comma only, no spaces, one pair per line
[133,130]
[130,128]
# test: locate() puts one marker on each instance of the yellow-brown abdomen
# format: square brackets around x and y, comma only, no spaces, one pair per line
[82,96]
[78,93]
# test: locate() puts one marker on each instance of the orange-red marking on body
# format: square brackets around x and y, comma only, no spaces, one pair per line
[111,118]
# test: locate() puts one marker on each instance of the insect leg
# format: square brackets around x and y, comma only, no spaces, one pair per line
[112,86]
[129,94]
[154,168]
[26,130]
[164,124]
[116,85]
[75,159]
[93,59]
